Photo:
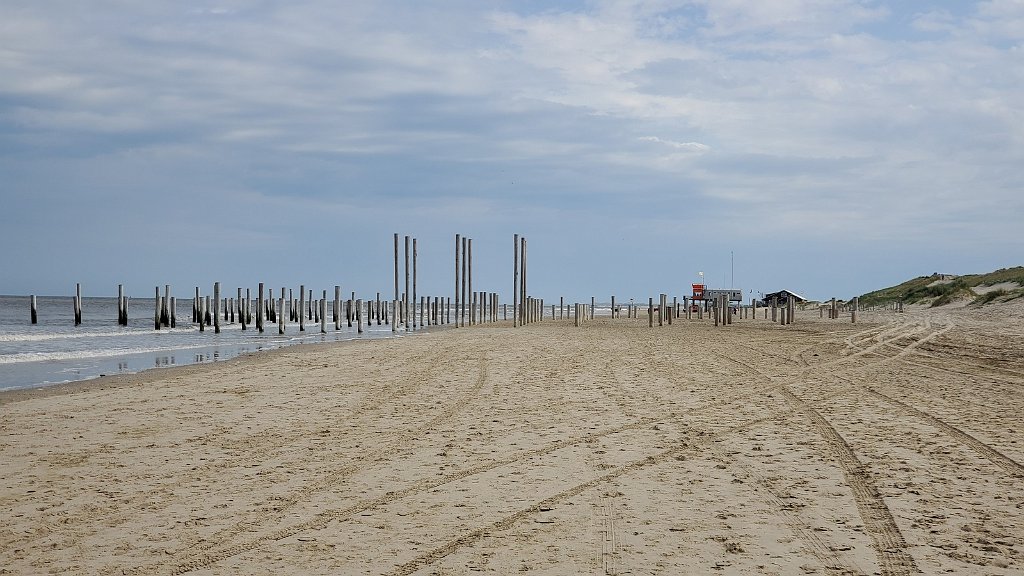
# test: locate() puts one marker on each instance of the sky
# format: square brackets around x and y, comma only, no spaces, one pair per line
[830,147]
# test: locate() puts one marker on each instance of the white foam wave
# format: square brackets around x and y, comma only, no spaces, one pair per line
[84,354]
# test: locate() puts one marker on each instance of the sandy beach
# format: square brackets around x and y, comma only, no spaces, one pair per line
[892,446]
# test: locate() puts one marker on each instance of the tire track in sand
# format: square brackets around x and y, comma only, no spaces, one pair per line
[890,546]
[288,501]
[321,519]
[996,457]
[879,522]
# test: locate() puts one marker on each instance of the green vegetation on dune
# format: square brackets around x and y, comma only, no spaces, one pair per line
[942,289]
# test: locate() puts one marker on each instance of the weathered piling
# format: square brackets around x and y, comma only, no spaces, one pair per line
[165,313]
[200,311]
[156,312]
[405,307]
[415,257]
[472,307]
[239,307]
[78,303]
[460,305]
[359,316]
[174,311]
[515,277]
[216,307]
[650,312]
[853,309]
[394,316]
[302,307]
[281,315]
[336,311]
[522,278]
[449,311]
[323,313]
[376,309]
[33,316]
[259,310]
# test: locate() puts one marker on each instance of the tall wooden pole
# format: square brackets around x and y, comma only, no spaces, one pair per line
[522,280]
[216,307]
[405,306]
[78,303]
[469,280]
[462,308]
[415,254]
[394,319]
[457,238]
[515,277]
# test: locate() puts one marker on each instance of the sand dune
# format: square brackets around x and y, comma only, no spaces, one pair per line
[891,446]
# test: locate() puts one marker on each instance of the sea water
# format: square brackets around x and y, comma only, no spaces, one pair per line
[55,350]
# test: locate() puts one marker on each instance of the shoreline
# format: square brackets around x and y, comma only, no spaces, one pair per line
[113,381]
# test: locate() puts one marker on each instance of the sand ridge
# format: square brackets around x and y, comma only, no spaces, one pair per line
[891,446]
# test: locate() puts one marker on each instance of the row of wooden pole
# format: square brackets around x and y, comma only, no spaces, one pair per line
[480,307]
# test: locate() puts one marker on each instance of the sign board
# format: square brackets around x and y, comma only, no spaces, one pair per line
[733,295]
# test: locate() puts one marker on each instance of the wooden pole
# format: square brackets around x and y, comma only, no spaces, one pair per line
[415,257]
[650,312]
[174,311]
[461,305]
[405,307]
[302,308]
[259,309]
[33,316]
[202,311]
[239,309]
[323,313]
[78,303]
[165,314]
[216,307]
[280,315]
[359,316]
[522,277]
[515,277]
[457,238]
[156,313]
[337,307]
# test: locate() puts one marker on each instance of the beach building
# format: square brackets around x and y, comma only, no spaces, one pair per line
[782,297]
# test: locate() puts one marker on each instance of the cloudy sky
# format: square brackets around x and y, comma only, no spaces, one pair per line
[828,146]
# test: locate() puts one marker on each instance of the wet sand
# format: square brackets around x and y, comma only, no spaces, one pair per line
[890,446]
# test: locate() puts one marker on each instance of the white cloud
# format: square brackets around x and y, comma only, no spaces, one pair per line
[811,103]
[689,146]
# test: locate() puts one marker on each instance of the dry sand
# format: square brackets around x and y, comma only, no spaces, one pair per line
[892,446]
